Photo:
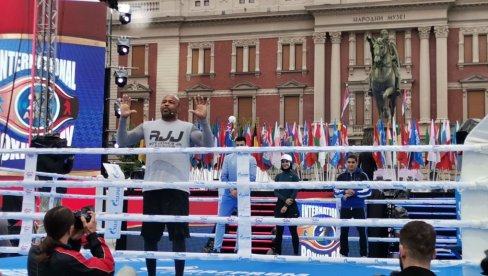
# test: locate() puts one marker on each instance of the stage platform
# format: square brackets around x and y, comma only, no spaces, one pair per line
[17,266]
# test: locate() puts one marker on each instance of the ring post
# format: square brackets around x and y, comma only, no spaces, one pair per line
[474,203]
[28,203]
[243,206]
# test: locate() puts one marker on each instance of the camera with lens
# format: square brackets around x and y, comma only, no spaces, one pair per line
[83,212]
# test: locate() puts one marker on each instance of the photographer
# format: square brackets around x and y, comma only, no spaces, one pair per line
[58,253]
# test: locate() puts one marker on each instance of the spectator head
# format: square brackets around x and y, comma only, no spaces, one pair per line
[352,162]
[417,244]
[286,161]
[240,141]
[58,222]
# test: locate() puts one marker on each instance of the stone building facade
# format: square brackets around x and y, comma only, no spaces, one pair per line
[291,60]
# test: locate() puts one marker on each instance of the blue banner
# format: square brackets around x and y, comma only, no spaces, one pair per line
[75,108]
[327,248]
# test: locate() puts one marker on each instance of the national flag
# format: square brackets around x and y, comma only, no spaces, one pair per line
[266,142]
[322,143]
[377,155]
[416,160]
[432,157]
[344,142]
[345,101]
[446,157]
[402,155]
[394,140]
[334,161]
[297,143]
[229,135]
[256,143]
[248,135]
[454,142]
[310,157]
[276,159]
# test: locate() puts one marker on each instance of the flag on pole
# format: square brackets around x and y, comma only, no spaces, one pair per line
[402,155]
[445,162]
[416,161]
[433,157]
[345,101]
[377,155]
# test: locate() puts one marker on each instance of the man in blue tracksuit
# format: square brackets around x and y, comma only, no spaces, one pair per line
[229,198]
[352,205]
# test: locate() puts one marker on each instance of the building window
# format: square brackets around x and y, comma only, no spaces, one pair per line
[138,60]
[291,109]
[475,96]
[400,45]
[483,48]
[245,102]
[244,111]
[292,55]
[291,102]
[206,2]
[245,57]
[468,48]
[251,1]
[200,59]
[242,1]
[359,49]
[359,101]
[473,48]
[198,3]
[476,104]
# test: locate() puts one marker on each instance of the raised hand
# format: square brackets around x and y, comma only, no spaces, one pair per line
[200,107]
[125,110]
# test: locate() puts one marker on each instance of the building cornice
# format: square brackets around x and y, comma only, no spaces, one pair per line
[356,7]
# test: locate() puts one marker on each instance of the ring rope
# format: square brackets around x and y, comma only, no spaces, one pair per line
[245,254]
[256,220]
[479,147]
[255,200]
[479,184]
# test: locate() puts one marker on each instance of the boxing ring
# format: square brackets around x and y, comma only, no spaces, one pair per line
[473,224]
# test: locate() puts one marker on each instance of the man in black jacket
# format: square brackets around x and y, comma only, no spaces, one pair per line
[417,249]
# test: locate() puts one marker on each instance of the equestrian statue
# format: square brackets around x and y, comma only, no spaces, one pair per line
[384,77]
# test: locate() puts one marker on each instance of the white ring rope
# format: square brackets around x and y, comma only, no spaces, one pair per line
[254,200]
[479,184]
[480,147]
[257,237]
[245,253]
[256,220]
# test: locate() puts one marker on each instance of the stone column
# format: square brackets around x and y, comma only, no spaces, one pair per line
[424,79]
[461,47]
[319,74]
[335,77]
[408,46]
[476,48]
[201,60]
[292,57]
[245,59]
[441,33]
